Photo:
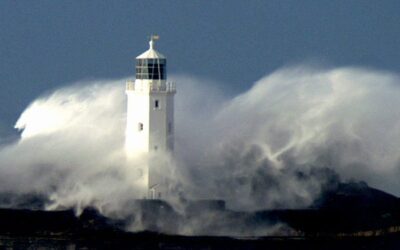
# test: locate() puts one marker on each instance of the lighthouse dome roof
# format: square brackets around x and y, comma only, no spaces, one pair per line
[151,53]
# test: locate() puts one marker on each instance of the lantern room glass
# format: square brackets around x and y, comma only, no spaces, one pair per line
[152,69]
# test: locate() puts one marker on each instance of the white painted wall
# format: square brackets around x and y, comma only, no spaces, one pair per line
[157,135]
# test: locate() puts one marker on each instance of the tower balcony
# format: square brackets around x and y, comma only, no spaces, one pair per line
[147,86]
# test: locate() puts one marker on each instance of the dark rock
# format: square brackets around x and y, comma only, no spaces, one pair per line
[355,196]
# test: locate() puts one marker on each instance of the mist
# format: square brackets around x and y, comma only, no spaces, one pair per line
[274,146]
[278,144]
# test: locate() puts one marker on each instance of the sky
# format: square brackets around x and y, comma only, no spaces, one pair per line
[48,44]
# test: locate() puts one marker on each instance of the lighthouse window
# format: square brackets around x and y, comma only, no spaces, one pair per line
[156,104]
[140,126]
[151,69]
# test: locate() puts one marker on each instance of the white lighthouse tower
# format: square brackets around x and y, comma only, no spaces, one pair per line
[150,120]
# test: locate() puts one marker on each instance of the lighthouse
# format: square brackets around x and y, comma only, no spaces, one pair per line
[150,121]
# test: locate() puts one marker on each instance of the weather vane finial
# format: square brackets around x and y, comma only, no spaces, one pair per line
[152,39]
